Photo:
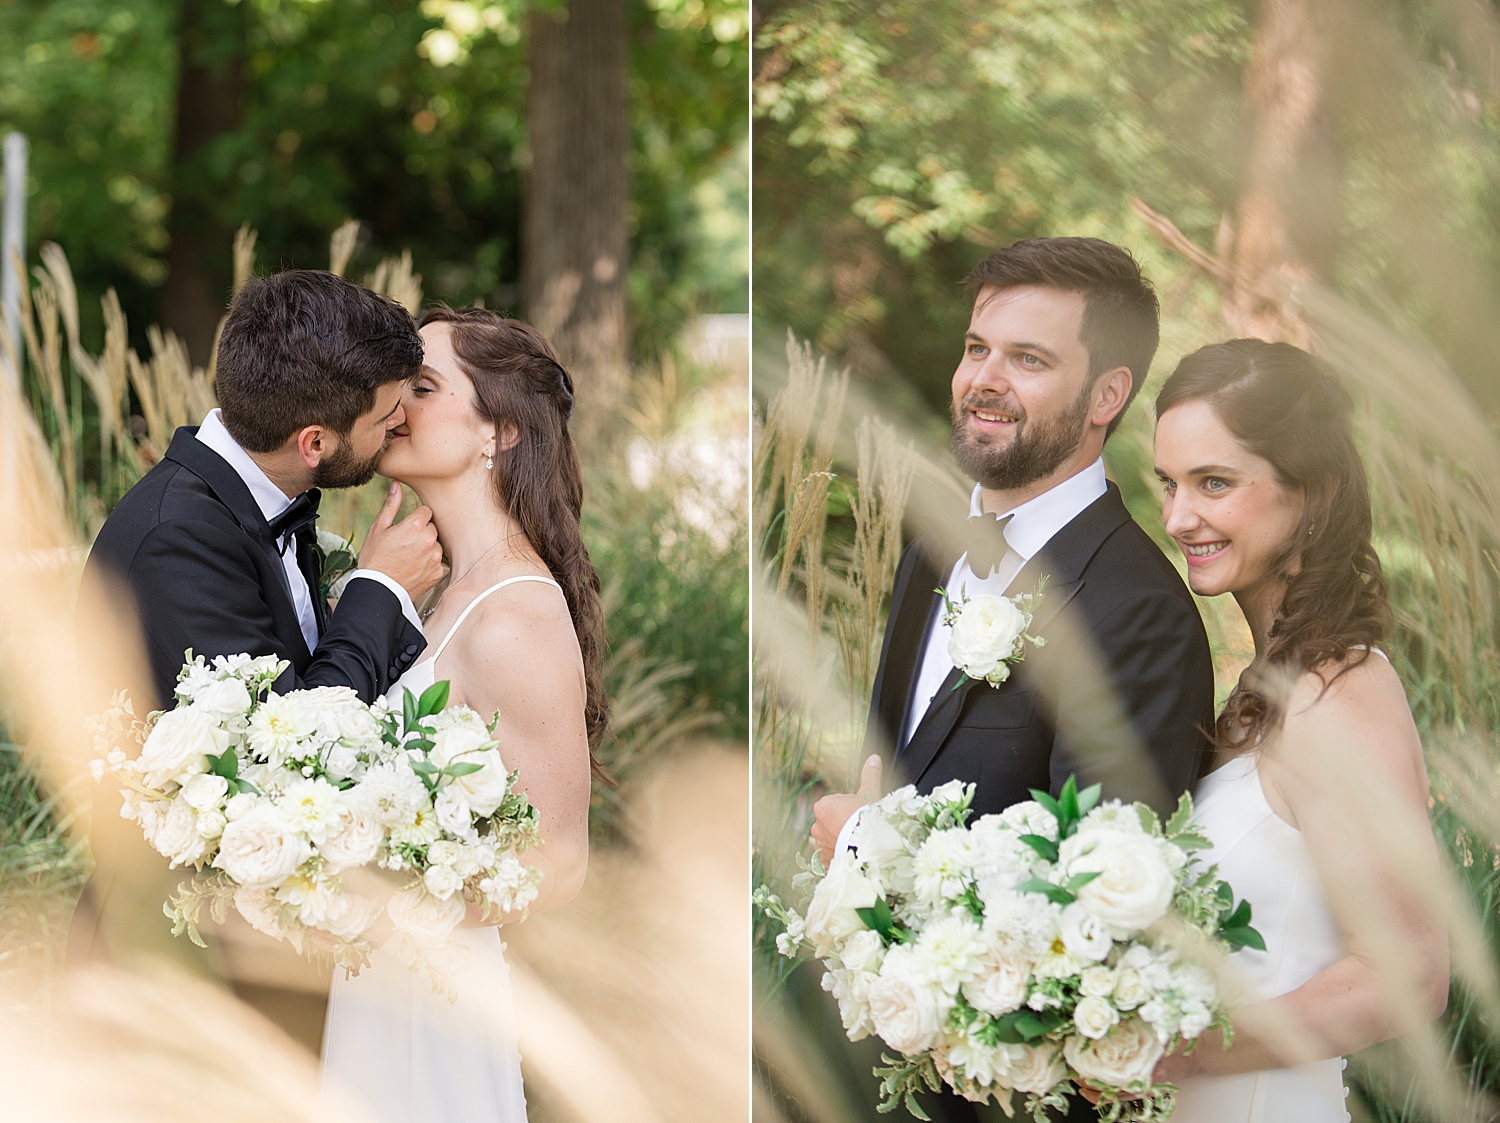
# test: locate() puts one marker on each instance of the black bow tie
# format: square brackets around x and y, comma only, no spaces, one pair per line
[300,516]
[984,541]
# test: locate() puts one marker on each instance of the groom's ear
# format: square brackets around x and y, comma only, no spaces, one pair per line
[314,444]
[1111,395]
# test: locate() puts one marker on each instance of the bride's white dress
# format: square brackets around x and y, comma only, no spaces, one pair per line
[407,1054]
[1266,861]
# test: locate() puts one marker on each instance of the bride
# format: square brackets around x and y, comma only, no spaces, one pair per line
[517,632]
[1317,799]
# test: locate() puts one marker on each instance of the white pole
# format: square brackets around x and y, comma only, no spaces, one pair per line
[14,243]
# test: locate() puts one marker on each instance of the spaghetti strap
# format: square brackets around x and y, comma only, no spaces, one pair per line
[464,615]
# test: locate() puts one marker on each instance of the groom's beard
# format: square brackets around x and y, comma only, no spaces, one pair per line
[345,469]
[1035,452]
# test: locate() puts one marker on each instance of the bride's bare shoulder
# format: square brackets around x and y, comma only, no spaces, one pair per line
[525,623]
[1358,702]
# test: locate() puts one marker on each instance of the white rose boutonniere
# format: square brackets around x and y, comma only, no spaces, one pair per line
[336,560]
[989,633]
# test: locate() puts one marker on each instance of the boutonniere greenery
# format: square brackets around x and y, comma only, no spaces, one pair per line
[336,560]
[990,633]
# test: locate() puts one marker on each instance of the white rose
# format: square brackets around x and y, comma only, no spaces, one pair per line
[1001,984]
[1130,988]
[482,790]
[453,813]
[852,991]
[427,919]
[177,836]
[876,840]
[357,839]
[863,951]
[985,634]
[443,853]
[211,823]
[1124,1058]
[179,744]
[352,917]
[342,761]
[222,700]
[1094,1016]
[260,908]
[1098,981]
[1083,933]
[908,1013]
[1035,1068]
[951,792]
[1136,879]
[260,849]
[203,791]
[441,881]
[831,915]
[240,805]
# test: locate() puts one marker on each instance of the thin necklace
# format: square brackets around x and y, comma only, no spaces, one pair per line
[468,571]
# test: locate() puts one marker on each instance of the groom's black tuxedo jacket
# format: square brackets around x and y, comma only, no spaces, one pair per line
[192,548]
[1120,693]
[188,553]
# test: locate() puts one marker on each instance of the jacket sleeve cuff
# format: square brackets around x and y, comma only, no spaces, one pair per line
[408,609]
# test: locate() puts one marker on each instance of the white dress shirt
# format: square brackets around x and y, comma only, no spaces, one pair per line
[1031,527]
[272,501]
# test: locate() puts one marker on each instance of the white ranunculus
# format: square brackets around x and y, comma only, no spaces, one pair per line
[1096,981]
[427,919]
[1035,1068]
[225,701]
[281,727]
[907,1011]
[985,634]
[830,914]
[1094,1016]
[441,881]
[1083,933]
[356,840]
[260,849]
[314,808]
[1124,1058]
[1000,986]
[1136,876]
[179,745]
[177,836]
[203,791]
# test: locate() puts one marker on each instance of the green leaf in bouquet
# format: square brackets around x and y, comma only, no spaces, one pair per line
[1043,846]
[1088,799]
[1181,817]
[902,1080]
[878,918]
[1049,803]
[434,698]
[1149,822]
[1054,893]
[1068,802]
[1078,881]
[424,767]
[226,764]
[1225,894]
[408,708]
[1020,1026]
[462,768]
[1245,937]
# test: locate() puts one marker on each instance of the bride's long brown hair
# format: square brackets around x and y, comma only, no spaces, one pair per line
[518,378]
[1289,408]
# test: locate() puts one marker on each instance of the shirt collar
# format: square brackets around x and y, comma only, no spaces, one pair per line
[1034,522]
[268,497]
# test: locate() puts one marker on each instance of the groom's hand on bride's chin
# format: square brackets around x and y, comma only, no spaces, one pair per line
[832,811]
[407,552]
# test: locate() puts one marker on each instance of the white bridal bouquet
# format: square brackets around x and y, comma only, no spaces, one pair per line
[1056,944]
[275,800]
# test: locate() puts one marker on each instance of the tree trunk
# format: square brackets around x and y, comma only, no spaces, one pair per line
[210,102]
[1287,221]
[575,248]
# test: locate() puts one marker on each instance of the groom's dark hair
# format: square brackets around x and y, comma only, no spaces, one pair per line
[305,347]
[1121,318]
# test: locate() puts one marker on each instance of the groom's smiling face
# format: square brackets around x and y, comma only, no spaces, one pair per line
[1021,394]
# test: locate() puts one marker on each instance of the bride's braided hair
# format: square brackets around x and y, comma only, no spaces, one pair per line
[517,378]
[1289,408]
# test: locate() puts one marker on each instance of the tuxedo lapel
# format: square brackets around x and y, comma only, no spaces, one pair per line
[913,601]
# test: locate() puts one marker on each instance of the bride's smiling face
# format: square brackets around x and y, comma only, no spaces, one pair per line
[443,436]
[1224,505]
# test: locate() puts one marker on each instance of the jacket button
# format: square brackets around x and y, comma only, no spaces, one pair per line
[394,672]
[411,649]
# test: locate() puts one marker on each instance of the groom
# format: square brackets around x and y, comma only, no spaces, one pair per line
[213,551]
[1061,336]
